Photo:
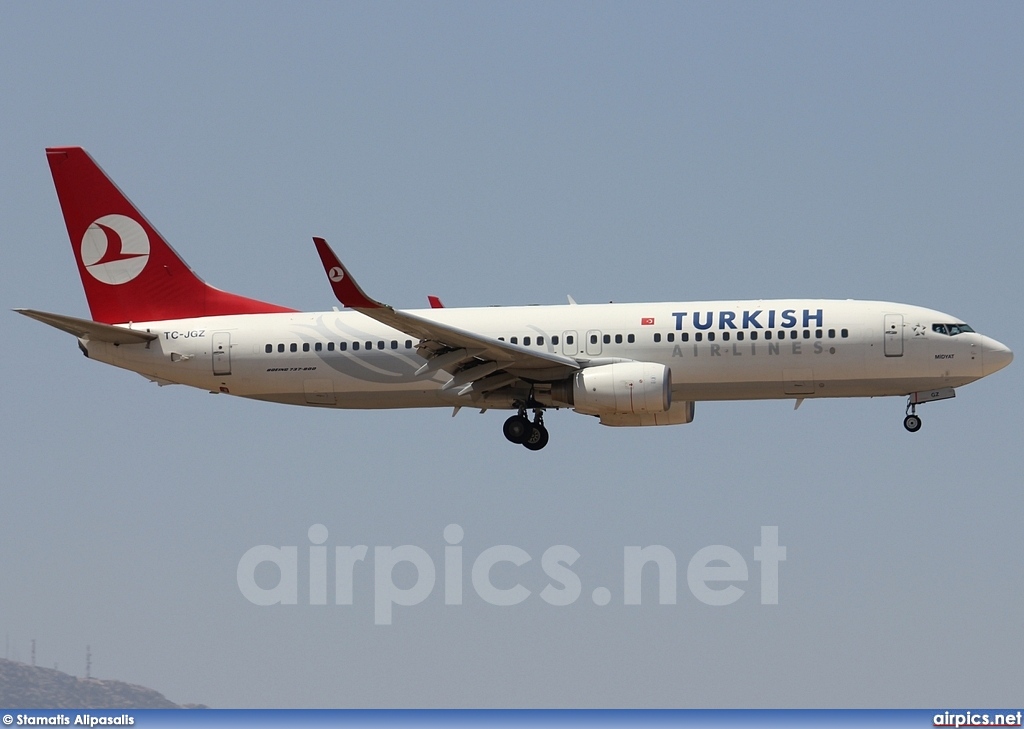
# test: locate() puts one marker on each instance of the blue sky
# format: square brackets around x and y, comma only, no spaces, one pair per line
[507,154]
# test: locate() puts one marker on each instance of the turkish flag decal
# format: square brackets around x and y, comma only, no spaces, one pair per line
[647,321]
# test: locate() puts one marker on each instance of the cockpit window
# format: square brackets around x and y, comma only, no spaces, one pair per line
[951,329]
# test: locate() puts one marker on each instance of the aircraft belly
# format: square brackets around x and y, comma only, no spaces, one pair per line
[784,389]
[389,399]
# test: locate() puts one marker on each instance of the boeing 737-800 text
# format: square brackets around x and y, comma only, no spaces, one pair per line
[626,364]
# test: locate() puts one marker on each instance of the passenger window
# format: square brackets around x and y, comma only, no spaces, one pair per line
[684,337]
[394,344]
[554,339]
[280,348]
[501,339]
[739,336]
[540,341]
[342,346]
[355,346]
[817,334]
[526,341]
[753,336]
[593,339]
[844,333]
[408,344]
[569,339]
[831,333]
[514,340]
[318,346]
[380,344]
[725,336]
[305,346]
[369,345]
[270,348]
[657,337]
[631,338]
[330,346]
[792,334]
[807,333]
[618,339]
[607,338]
[698,337]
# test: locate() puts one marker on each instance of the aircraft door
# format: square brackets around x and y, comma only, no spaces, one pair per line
[593,342]
[570,345]
[221,353]
[893,335]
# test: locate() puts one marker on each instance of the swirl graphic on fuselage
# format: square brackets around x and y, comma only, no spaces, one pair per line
[378,365]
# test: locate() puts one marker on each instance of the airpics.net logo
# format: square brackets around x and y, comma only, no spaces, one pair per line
[115,249]
[714,574]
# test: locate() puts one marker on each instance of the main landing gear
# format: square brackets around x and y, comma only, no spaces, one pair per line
[519,429]
[912,422]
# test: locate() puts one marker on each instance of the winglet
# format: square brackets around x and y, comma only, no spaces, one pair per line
[435,302]
[345,287]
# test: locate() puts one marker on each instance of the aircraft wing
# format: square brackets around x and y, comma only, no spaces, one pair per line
[85,329]
[476,362]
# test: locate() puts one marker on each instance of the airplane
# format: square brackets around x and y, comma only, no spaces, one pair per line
[626,364]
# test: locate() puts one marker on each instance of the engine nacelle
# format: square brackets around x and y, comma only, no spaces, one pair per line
[680,413]
[622,388]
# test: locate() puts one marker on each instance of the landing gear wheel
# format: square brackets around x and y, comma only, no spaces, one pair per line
[536,437]
[517,428]
[912,423]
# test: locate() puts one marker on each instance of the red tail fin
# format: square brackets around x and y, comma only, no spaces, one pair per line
[128,270]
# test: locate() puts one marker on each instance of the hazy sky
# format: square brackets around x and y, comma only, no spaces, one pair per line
[504,154]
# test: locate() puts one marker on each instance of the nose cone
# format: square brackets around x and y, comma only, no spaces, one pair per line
[995,356]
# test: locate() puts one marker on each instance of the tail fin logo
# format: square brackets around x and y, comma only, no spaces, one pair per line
[336,274]
[115,249]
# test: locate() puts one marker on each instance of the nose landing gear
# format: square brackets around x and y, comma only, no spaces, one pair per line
[912,422]
[518,429]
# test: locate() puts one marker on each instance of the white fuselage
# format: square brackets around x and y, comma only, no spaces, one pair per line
[718,350]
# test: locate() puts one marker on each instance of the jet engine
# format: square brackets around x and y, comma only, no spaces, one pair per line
[622,388]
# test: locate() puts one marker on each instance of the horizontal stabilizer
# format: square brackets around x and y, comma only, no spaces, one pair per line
[91,330]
